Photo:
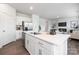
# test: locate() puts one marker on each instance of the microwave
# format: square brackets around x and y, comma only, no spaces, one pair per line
[62,24]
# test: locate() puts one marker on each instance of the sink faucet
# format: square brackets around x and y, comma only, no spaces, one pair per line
[39,28]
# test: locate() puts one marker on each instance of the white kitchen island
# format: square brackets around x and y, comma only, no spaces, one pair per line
[46,44]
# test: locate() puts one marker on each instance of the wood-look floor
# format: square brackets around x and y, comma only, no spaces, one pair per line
[14,48]
[73,47]
[17,48]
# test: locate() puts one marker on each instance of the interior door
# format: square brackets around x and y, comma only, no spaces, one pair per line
[2,29]
[7,29]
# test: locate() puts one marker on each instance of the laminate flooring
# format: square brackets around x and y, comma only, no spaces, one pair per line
[14,48]
[17,48]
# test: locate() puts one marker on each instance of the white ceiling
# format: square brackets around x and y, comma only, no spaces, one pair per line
[48,10]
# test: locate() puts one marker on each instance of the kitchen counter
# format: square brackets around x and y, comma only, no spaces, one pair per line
[75,35]
[45,44]
[52,39]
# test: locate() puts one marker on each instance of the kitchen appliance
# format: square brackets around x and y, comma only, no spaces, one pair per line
[63,30]
[27,26]
[62,24]
[53,31]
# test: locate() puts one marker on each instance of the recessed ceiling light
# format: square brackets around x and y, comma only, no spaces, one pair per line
[31,7]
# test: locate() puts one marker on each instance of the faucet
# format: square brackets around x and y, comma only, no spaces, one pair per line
[39,28]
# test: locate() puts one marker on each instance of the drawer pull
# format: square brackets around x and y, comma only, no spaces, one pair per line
[41,43]
[40,52]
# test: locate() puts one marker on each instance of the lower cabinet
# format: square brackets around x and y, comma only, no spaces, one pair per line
[36,46]
[18,34]
[30,44]
[43,51]
[27,43]
[44,48]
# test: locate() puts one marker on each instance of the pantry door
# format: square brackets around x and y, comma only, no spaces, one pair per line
[2,32]
[7,29]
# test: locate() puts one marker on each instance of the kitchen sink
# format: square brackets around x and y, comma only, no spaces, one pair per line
[35,33]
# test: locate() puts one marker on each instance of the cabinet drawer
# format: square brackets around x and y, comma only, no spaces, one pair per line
[45,45]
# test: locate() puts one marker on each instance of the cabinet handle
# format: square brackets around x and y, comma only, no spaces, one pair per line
[40,52]
[41,43]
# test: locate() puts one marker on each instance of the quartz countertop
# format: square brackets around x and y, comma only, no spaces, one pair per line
[53,39]
[75,35]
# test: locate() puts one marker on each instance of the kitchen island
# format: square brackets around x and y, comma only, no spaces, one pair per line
[46,44]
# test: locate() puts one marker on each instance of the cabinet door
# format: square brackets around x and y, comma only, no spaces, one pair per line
[7,28]
[44,51]
[32,44]
[1,31]
[18,34]
[27,42]
[44,48]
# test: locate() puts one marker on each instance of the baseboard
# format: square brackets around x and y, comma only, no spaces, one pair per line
[6,43]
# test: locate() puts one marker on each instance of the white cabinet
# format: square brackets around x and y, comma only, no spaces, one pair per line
[44,48]
[22,17]
[7,24]
[43,51]
[36,46]
[30,44]
[27,42]
[18,34]
[7,9]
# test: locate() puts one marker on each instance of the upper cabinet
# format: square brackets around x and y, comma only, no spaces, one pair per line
[7,9]
[22,17]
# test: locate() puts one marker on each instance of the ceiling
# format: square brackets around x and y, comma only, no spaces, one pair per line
[48,10]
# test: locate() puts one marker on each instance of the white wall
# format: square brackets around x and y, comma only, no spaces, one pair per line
[23,17]
[7,24]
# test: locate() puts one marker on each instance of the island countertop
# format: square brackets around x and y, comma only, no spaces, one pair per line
[53,39]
